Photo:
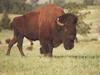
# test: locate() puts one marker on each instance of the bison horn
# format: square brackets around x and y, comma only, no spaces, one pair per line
[59,23]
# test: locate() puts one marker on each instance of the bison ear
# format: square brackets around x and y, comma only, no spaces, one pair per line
[59,23]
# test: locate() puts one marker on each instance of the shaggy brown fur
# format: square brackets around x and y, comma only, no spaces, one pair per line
[41,24]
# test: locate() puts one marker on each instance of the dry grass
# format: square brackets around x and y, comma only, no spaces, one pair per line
[84,59]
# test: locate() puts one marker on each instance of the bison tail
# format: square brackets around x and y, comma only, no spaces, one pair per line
[11,25]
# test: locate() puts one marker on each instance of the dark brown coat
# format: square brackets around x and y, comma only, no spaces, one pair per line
[42,24]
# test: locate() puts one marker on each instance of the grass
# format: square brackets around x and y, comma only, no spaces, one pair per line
[84,59]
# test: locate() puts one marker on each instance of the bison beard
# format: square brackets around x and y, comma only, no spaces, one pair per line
[41,25]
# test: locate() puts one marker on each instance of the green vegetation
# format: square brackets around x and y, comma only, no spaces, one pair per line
[5,21]
[21,7]
[14,6]
[83,28]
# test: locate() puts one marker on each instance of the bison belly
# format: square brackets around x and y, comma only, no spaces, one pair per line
[32,36]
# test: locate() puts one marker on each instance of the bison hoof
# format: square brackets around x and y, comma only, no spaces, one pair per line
[23,55]
[48,55]
[8,54]
[29,48]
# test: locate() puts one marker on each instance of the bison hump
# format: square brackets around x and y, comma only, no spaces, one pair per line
[47,19]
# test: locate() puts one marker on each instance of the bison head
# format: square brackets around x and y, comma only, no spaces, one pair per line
[67,22]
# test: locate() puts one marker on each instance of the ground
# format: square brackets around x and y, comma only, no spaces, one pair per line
[83,59]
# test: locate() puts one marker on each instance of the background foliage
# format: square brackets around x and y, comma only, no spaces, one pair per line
[20,7]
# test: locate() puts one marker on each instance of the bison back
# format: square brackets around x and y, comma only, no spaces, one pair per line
[47,19]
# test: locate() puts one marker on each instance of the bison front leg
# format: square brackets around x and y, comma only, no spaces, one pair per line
[19,44]
[49,50]
[46,48]
[11,43]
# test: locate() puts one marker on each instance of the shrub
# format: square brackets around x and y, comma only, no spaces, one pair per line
[5,21]
[82,27]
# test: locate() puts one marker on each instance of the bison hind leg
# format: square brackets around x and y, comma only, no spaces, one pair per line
[20,43]
[11,43]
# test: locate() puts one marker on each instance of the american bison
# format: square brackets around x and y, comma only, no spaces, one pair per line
[48,24]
